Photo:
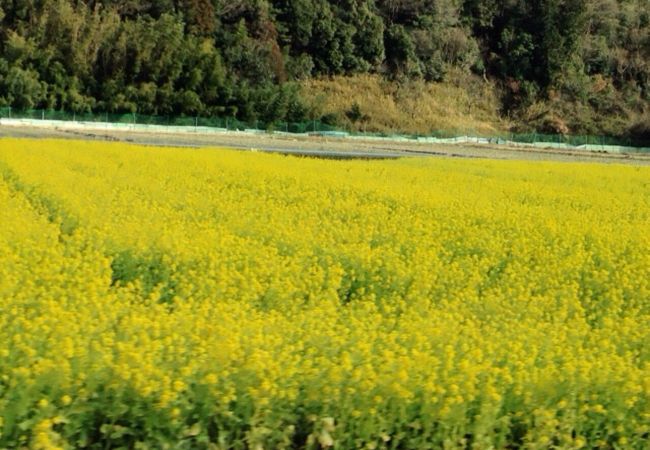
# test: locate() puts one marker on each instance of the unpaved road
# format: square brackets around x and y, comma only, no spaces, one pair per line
[339,148]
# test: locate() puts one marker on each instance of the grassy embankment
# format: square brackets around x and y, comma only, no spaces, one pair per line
[465,104]
[470,105]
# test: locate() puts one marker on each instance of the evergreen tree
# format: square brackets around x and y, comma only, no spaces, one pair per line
[243,57]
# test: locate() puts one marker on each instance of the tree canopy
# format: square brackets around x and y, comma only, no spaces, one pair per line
[244,58]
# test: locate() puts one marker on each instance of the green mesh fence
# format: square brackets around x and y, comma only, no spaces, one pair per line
[314,126]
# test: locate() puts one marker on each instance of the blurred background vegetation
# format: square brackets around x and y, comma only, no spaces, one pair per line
[553,66]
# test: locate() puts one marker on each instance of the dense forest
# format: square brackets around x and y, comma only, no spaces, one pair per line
[560,65]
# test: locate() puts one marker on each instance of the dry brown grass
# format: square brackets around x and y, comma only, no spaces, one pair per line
[465,104]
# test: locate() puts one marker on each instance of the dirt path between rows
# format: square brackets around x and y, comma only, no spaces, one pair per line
[329,147]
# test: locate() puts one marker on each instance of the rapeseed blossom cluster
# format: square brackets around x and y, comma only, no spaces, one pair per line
[176,298]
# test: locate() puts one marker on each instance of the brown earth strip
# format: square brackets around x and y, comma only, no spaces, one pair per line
[331,146]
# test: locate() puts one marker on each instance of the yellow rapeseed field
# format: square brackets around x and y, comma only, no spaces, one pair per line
[155,298]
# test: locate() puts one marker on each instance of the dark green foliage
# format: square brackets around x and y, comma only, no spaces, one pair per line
[641,132]
[587,59]
[354,113]
[151,270]
[400,51]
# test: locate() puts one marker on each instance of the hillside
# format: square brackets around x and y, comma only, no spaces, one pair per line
[371,103]
[567,66]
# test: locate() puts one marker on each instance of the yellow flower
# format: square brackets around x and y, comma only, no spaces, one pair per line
[599,409]
[434,293]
